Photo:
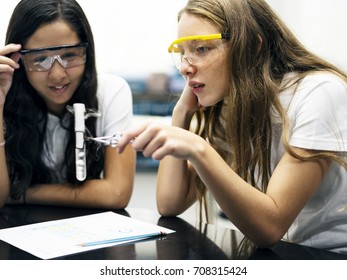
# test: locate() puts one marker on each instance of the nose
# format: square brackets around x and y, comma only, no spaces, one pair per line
[57,70]
[58,58]
[186,66]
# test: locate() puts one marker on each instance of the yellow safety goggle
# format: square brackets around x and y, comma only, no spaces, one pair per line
[173,46]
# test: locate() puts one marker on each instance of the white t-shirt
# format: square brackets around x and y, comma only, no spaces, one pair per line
[318,117]
[115,106]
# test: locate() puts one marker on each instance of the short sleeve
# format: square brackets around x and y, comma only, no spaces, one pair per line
[115,105]
[318,114]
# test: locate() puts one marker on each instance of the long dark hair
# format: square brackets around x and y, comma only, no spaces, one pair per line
[25,112]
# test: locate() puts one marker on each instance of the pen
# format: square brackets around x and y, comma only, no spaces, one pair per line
[121,239]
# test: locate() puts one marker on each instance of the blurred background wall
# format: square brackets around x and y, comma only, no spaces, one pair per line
[132,35]
[321,25]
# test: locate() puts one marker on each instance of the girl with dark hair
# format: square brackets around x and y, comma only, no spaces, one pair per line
[47,65]
[270,125]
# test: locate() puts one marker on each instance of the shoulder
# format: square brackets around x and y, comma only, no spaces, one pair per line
[112,87]
[317,112]
[115,104]
[315,88]
[324,80]
[112,82]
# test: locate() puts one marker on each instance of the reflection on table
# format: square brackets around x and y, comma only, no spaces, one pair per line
[190,241]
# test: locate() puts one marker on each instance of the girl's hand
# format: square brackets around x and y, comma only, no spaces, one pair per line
[9,58]
[158,140]
[188,101]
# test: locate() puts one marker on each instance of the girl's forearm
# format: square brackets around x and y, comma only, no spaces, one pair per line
[181,118]
[174,194]
[93,193]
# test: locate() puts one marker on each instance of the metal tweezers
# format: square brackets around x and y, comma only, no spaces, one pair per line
[107,140]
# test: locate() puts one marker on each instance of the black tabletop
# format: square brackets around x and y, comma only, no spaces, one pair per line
[191,241]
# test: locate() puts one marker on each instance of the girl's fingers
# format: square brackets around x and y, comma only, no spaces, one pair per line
[129,136]
[10,56]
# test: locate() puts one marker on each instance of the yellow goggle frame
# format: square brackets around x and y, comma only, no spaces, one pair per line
[173,48]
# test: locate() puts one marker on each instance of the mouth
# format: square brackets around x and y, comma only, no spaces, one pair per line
[58,88]
[196,86]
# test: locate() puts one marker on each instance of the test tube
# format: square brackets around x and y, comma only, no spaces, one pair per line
[80,148]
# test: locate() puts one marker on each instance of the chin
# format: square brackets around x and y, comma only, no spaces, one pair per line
[207,104]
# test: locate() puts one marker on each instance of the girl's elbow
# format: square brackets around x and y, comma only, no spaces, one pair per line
[268,239]
[122,200]
[266,243]
[121,205]
[166,213]
[167,210]
[117,202]
[118,199]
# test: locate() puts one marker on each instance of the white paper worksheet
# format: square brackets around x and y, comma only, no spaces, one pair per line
[57,238]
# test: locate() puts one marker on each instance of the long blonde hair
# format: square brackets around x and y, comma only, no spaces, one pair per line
[261,51]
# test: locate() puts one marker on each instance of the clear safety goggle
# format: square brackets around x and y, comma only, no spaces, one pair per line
[197,49]
[42,59]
